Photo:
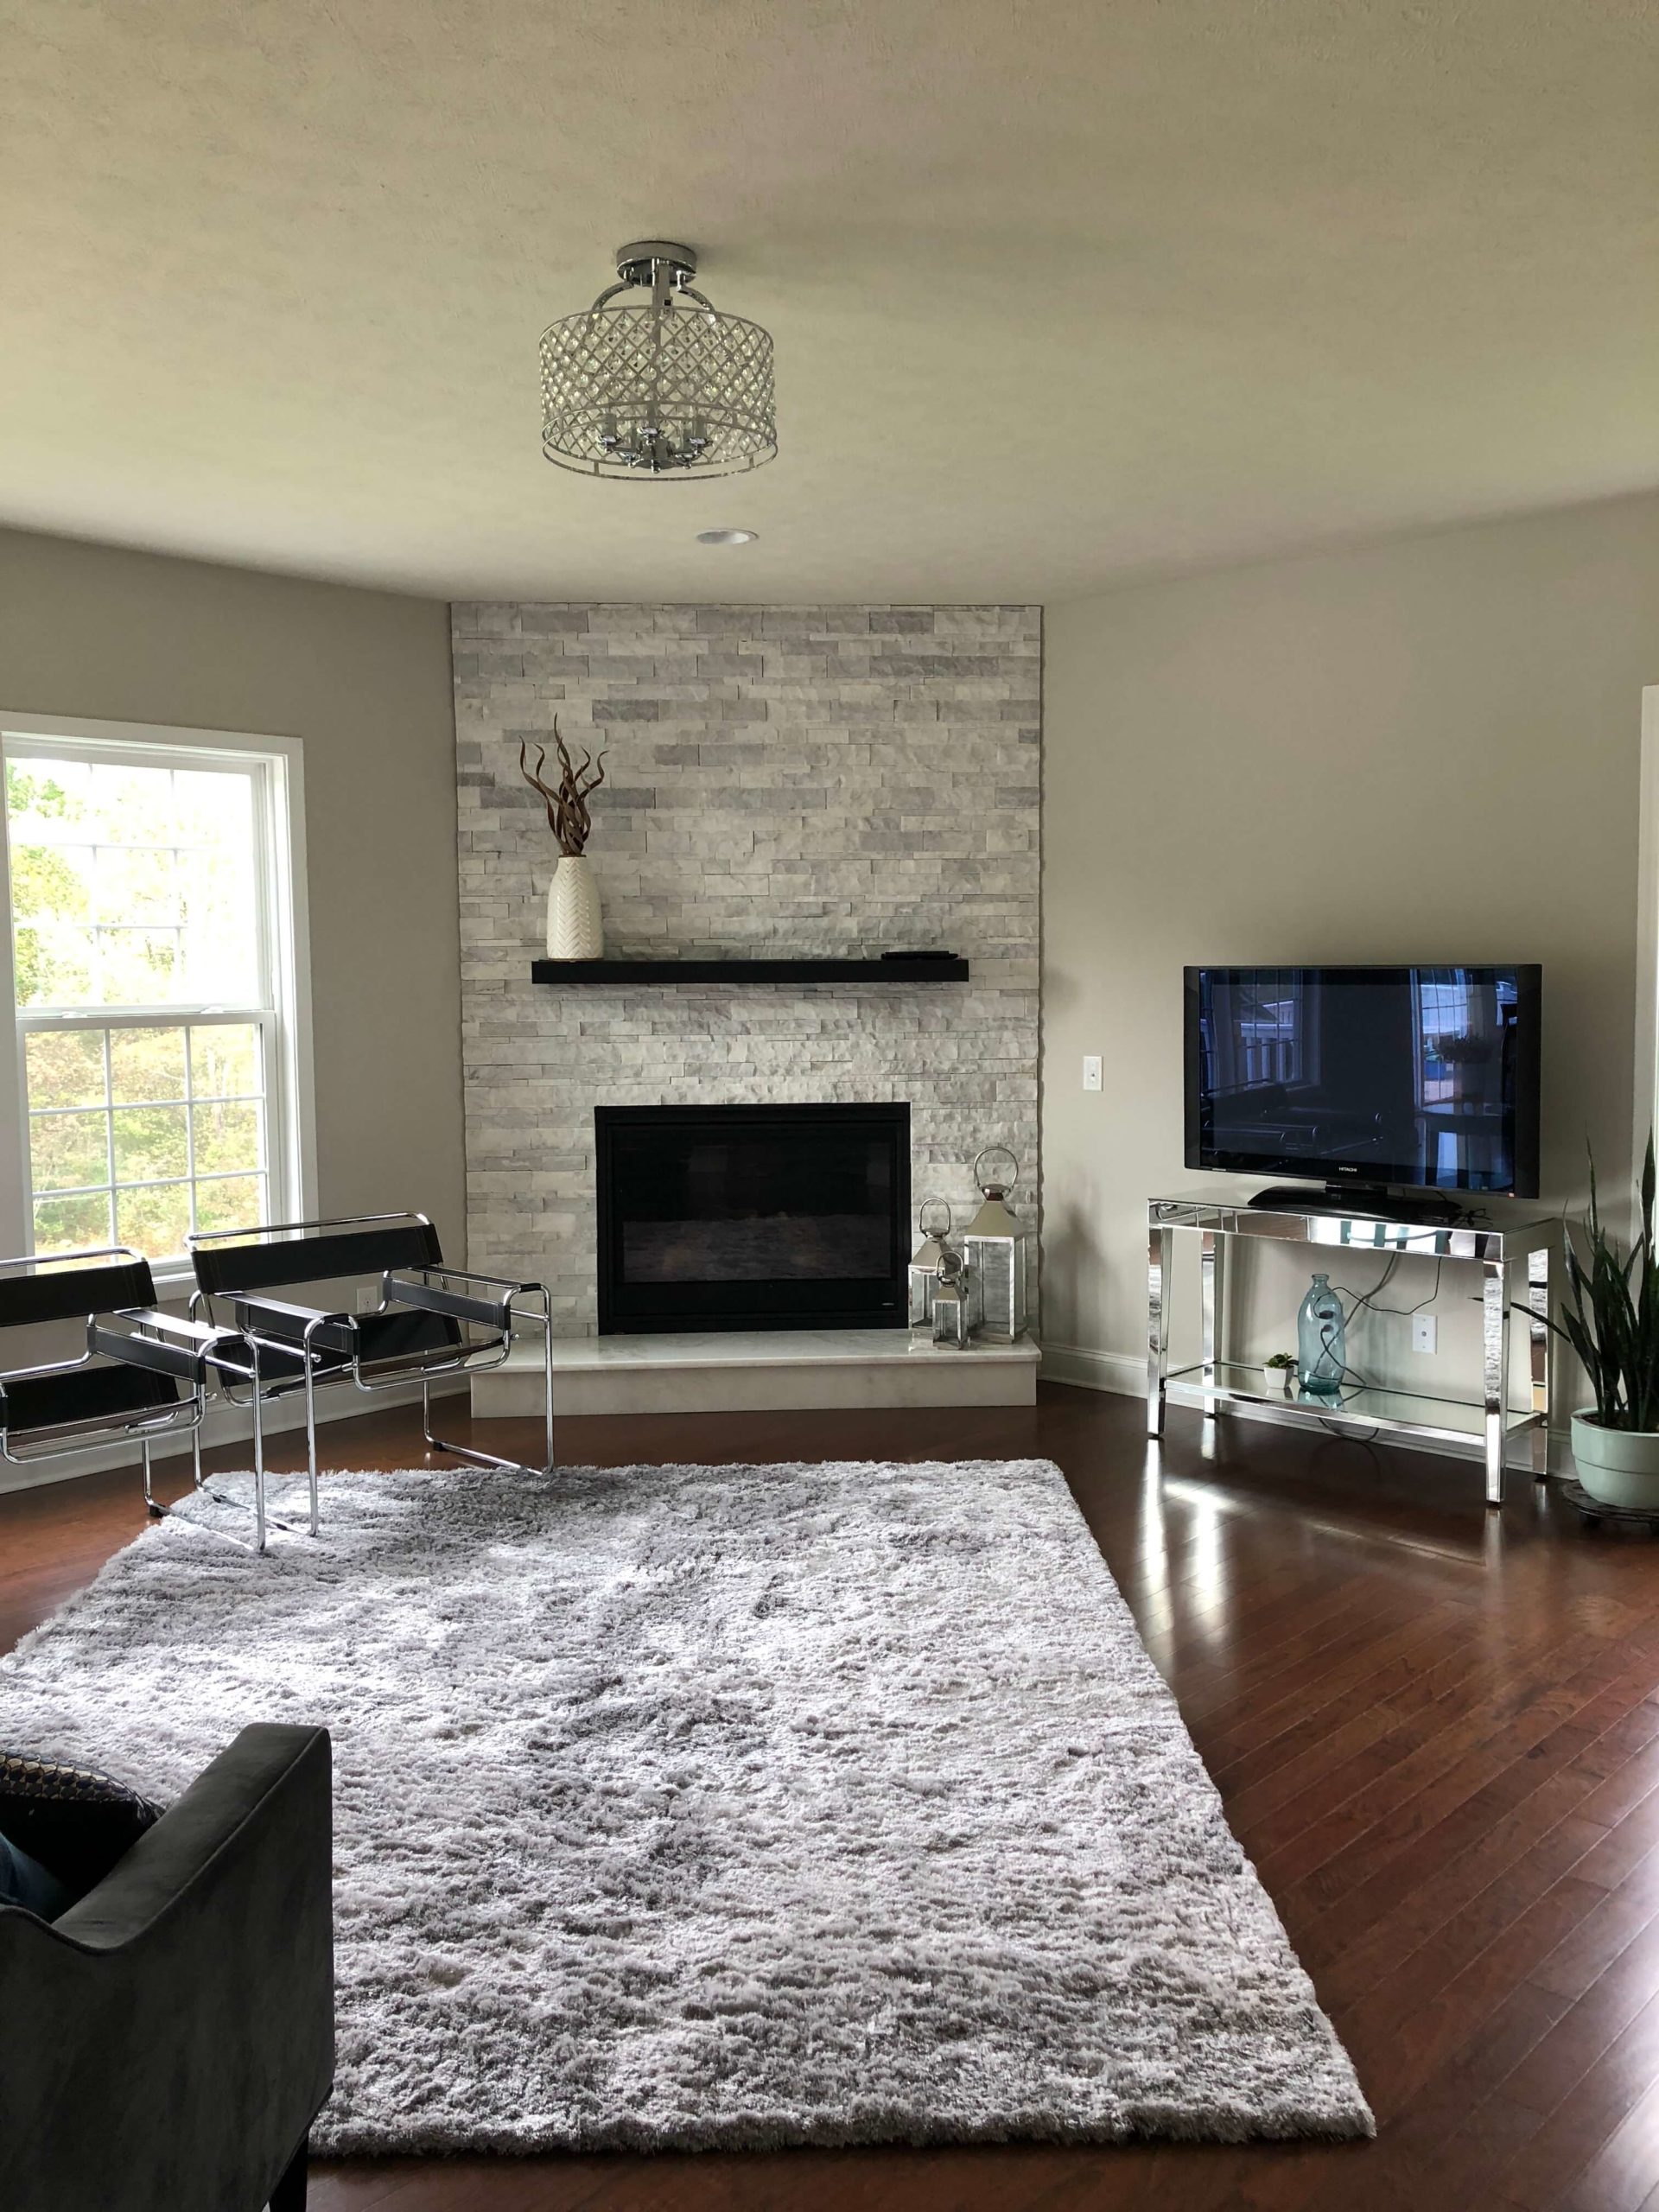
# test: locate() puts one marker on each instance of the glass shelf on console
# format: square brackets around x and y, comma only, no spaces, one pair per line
[1419,1413]
[1482,1236]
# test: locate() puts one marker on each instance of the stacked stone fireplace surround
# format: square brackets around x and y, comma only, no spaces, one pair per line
[814,781]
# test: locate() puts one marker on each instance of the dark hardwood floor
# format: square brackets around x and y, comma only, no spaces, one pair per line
[1437,1731]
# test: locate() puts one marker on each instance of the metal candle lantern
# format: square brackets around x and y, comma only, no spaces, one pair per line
[952,1319]
[995,1246]
[925,1267]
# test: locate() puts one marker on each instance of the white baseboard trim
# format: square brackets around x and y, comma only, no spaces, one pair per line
[1095,1370]
[1123,1373]
[224,1425]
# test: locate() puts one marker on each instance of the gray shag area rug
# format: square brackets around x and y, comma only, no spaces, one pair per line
[681,1807]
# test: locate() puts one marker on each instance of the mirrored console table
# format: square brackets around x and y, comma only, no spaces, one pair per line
[1514,1259]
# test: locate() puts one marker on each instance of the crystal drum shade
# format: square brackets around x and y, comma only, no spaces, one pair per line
[665,386]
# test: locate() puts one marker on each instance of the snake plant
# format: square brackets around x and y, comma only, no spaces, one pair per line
[1609,1314]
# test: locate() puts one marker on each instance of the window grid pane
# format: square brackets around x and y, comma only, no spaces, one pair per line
[104,914]
[147,1170]
[72,1224]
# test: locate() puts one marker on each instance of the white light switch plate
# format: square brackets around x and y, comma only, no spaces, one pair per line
[1424,1330]
[1091,1070]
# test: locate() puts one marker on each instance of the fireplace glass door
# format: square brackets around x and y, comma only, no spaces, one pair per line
[752,1218]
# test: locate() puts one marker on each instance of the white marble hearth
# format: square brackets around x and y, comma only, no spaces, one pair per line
[760,1370]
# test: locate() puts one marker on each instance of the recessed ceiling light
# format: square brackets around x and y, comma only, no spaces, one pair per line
[727,536]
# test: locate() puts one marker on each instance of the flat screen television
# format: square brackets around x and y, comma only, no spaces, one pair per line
[1411,1078]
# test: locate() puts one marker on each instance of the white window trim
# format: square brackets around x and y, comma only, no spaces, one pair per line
[287,933]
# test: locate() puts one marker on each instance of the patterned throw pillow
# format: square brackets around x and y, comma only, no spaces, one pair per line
[74,1821]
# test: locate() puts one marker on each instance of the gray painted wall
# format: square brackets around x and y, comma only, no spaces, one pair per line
[363,678]
[1423,750]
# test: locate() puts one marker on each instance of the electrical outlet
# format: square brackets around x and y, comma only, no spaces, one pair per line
[1091,1070]
[368,1300]
[1424,1331]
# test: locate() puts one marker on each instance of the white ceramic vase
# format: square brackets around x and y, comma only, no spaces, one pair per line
[573,928]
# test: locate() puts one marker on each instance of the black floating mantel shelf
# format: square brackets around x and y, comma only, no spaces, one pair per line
[942,968]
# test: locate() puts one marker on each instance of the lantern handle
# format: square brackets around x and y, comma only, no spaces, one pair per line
[921,1218]
[989,1186]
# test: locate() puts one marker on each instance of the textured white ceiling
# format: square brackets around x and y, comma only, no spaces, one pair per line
[1061,293]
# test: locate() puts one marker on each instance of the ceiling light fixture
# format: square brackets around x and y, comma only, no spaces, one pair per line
[657,387]
[727,536]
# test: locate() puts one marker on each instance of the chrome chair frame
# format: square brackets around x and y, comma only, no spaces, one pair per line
[156,1340]
[157,1343]
[328,1343]
[416,1289]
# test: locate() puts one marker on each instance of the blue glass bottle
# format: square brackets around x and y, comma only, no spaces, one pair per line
[1321,1340]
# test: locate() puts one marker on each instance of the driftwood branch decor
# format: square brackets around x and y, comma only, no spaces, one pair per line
[575,926]
[567,800]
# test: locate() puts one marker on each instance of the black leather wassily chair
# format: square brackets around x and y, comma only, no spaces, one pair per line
[142,1375]
[430,1321]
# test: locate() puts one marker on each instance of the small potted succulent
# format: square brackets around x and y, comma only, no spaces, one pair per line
[1283,1364]
[1609,1316]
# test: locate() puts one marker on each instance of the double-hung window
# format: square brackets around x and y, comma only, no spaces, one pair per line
[156,982]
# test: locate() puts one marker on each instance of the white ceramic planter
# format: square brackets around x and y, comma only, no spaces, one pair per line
[575,930]
[1620,1466]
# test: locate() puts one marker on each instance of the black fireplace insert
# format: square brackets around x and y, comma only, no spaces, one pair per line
[753,1217]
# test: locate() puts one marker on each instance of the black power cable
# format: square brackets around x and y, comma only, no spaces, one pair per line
[1368,1298]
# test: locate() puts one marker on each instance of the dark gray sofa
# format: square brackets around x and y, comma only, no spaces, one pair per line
[166,2042]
